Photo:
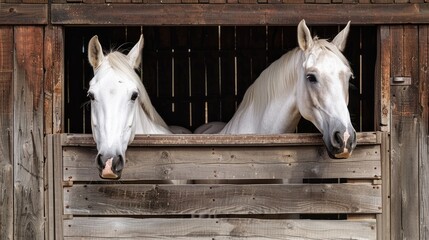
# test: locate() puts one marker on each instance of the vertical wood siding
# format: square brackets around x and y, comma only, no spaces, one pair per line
[424,131]
[6,131]
[406,136]
[28,133]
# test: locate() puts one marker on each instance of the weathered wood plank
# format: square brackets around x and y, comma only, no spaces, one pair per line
[300,139]
[166,199]
[6,127]
[222,228]
[186,163]
[54,79]
[383,220]
[57,187]
[382,92]
[237,14]
[424,128]
[20,14]
[49,191]
[28,133]
[405,136]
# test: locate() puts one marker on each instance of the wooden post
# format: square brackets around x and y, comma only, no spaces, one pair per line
[424,128]
[28,133]
[382,79]
[54,79]
[6,126]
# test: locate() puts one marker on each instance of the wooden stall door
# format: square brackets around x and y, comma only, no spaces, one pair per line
[405,47]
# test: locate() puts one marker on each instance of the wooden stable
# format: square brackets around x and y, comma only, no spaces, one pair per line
[49,189]
[139,208]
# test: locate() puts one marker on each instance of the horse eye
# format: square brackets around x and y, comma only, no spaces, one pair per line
[134,96]
[311,78]
[91,96]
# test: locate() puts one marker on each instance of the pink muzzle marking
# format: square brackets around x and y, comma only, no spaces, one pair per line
[107,171]
[346,153]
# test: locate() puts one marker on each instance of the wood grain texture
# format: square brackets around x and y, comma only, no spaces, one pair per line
[49,190]
[28,133]
[383,220]
[6,127]
[20,14]
[192,163]
[300,139]
[424,130]
[232,228]
[382,87]
[166,199]
[237,14]
[54,79]
[405,136]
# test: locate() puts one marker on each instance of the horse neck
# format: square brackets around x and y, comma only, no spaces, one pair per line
[145,125]
[269,105]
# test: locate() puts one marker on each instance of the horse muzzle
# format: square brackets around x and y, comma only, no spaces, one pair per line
[110,167]
[341,142]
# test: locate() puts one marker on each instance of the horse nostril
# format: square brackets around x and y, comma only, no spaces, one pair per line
[120,164]
[337,140]
[100,161]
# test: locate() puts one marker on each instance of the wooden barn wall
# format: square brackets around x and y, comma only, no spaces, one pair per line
[30,72]
[22,132]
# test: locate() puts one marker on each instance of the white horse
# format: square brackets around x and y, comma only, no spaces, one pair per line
[120,106]
[311,81]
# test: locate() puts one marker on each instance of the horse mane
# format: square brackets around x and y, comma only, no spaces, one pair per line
[268,85]
[119,62]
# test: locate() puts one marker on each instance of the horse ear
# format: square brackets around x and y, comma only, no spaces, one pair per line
[135,55]
[341,38]
[95,52]
[305,41]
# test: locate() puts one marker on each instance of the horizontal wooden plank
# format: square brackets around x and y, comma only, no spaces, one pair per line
[23,14]
[222,228]
[166,199]
[222,140]
[181,163]
[237,14]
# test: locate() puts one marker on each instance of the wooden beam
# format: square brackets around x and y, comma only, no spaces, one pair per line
[218,228]
[290,139]
[28,133]
[188,199]
[6,127]
[237,14]
[216,163]
[23,14]
[424,130]
[54,79]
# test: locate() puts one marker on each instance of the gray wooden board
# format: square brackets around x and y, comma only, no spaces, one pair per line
[232,228]
[181,163]
[289,139]
[236,14]
[28,133]
[166,199]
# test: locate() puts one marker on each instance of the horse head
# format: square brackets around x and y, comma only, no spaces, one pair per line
[322,90]
[115,98]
